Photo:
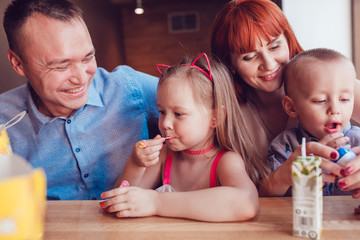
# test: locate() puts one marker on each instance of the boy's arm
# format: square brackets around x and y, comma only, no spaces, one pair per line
[277,183]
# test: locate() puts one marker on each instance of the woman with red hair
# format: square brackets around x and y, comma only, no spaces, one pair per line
[255,41]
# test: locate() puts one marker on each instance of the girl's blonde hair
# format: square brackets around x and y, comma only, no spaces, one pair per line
[231,131]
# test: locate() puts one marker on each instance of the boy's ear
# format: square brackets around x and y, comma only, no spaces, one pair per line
[16,63]
[289,107]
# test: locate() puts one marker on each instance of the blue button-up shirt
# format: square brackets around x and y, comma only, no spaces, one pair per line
[83,155]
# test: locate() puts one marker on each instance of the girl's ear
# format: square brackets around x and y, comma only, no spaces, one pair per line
[16,63]
[214,120]
[289,107]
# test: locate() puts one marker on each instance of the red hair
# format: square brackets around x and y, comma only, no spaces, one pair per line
[241,23]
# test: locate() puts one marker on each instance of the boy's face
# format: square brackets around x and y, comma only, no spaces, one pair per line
[323,96]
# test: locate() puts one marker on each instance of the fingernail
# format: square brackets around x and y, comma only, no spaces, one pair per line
[333,155]
[342,184]
[101,204]
[102,195]
[343,173]
[124,183]
[348,170]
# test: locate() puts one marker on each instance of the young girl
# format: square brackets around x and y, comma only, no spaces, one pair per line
[207,156]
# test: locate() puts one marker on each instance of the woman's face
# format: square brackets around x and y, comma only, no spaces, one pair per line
[262,68]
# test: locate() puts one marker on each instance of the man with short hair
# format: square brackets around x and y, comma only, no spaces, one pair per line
[81,120]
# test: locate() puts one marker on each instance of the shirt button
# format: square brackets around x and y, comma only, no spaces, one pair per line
[68,121]
[77,150]
[86,175]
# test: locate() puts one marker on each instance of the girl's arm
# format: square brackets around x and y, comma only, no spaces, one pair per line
[143,168]
[235,200]
[356,111]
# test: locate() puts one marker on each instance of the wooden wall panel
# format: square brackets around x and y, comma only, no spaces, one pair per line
[147,40]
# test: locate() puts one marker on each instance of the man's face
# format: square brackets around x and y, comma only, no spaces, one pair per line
[58,59]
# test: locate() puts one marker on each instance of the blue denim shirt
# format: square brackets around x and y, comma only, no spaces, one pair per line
[83,155]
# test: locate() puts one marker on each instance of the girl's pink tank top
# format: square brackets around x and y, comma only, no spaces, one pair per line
[213,182]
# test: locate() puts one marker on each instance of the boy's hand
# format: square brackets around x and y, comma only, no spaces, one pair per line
[335,140]
[146,152]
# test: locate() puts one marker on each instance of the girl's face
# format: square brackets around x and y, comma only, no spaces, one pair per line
[187,122]
[262,68]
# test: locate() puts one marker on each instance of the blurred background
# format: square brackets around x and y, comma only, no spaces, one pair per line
[170,29]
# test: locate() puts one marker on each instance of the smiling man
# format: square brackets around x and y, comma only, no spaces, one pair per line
[81,120]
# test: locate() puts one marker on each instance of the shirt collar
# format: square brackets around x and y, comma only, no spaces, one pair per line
[39,120]
[306,135]
[346,129]
[94,98]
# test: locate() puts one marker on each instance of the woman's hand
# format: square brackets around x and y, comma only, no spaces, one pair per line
[146,152]
[331,169]
[351,175]
[130,202]
[279,181]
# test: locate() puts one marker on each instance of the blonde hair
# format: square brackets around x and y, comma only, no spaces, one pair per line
[295,65]
[231,131]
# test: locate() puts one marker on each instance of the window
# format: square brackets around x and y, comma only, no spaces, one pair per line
[180,22]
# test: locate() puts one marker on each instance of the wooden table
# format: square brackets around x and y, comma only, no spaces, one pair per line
[85,220]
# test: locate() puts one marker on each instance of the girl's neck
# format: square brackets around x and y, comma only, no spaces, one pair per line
[209,155]
[199,152]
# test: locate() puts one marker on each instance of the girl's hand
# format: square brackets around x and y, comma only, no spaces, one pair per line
[146,152]
[130,202]
[351,175]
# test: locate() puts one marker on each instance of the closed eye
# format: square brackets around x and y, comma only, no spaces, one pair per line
[61,68]
[319,101]
[89,59]
[178,114]
[275,47]
[248,57]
